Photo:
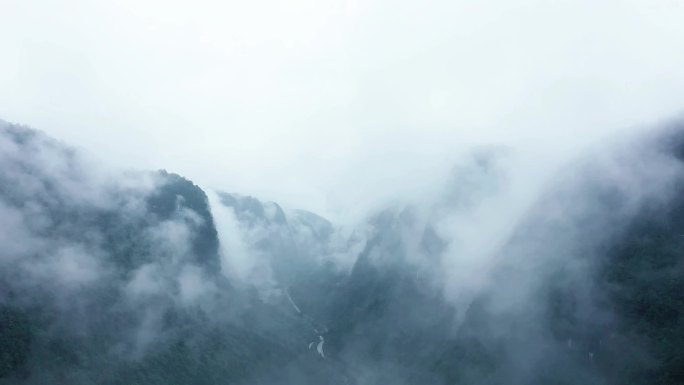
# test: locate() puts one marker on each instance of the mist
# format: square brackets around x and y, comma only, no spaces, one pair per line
[360,193]
[503,271]
[331,106]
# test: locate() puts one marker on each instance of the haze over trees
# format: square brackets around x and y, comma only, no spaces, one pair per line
[111,276]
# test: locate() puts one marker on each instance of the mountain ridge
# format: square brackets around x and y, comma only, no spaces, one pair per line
[114,277]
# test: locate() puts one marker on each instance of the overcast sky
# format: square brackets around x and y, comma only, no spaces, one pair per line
[333,104]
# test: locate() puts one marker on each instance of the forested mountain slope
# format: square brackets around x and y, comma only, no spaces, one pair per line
[113,277]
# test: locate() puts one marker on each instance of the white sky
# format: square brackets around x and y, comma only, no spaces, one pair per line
[331,105]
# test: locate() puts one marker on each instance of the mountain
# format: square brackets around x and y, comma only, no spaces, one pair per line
[133,277]
[115,278]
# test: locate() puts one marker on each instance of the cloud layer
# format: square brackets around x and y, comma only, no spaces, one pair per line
[333,106]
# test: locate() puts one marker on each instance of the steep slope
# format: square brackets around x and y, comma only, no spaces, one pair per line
[586,290]
[111,277]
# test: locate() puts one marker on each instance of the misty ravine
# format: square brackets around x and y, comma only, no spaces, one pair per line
[112,276]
